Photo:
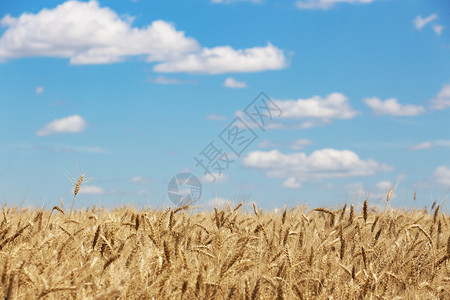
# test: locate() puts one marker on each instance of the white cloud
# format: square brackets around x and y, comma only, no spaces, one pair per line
[430,145]
[167,80]
[321,164]
[334,106]
[326,4]
[70,124]
[89,34]
[301,144]
[438,29]
[142,180]
[392,107]
[233,83]
[39,90]
[318,110]
[215,117]
[225,59]
[441,176]
[91,190]
[442,99]
[215,178]
[292,183]
[420,22]
[86,33]
[232,1]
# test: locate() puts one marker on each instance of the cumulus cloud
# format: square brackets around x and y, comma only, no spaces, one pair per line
[430,145]
[39,90]
[326,4]
[86,33]
[321,164]
[167,80]
[233,83]
[392,107]
[70,124]
[219,60]
[420,22]
[442,99]
[89,34]
[317,110]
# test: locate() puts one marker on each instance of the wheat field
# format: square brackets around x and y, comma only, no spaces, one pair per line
[231,253]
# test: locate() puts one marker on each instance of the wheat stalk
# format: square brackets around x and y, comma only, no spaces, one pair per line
[75,192]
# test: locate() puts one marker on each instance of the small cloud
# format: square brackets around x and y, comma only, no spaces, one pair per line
[438,29]
[439,179]
[167,80]
[142,180]
[421,146]
[292,183]
[430,145]
[442,99]
[420,22]
[224,59]
[214,117]
[91,190]
[317,111]
[234,84]
[301,144]
[441,176]
[392,107]
[39,90]
[215,178]
[70,124]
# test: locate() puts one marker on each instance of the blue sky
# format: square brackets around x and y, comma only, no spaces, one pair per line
[132,91]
